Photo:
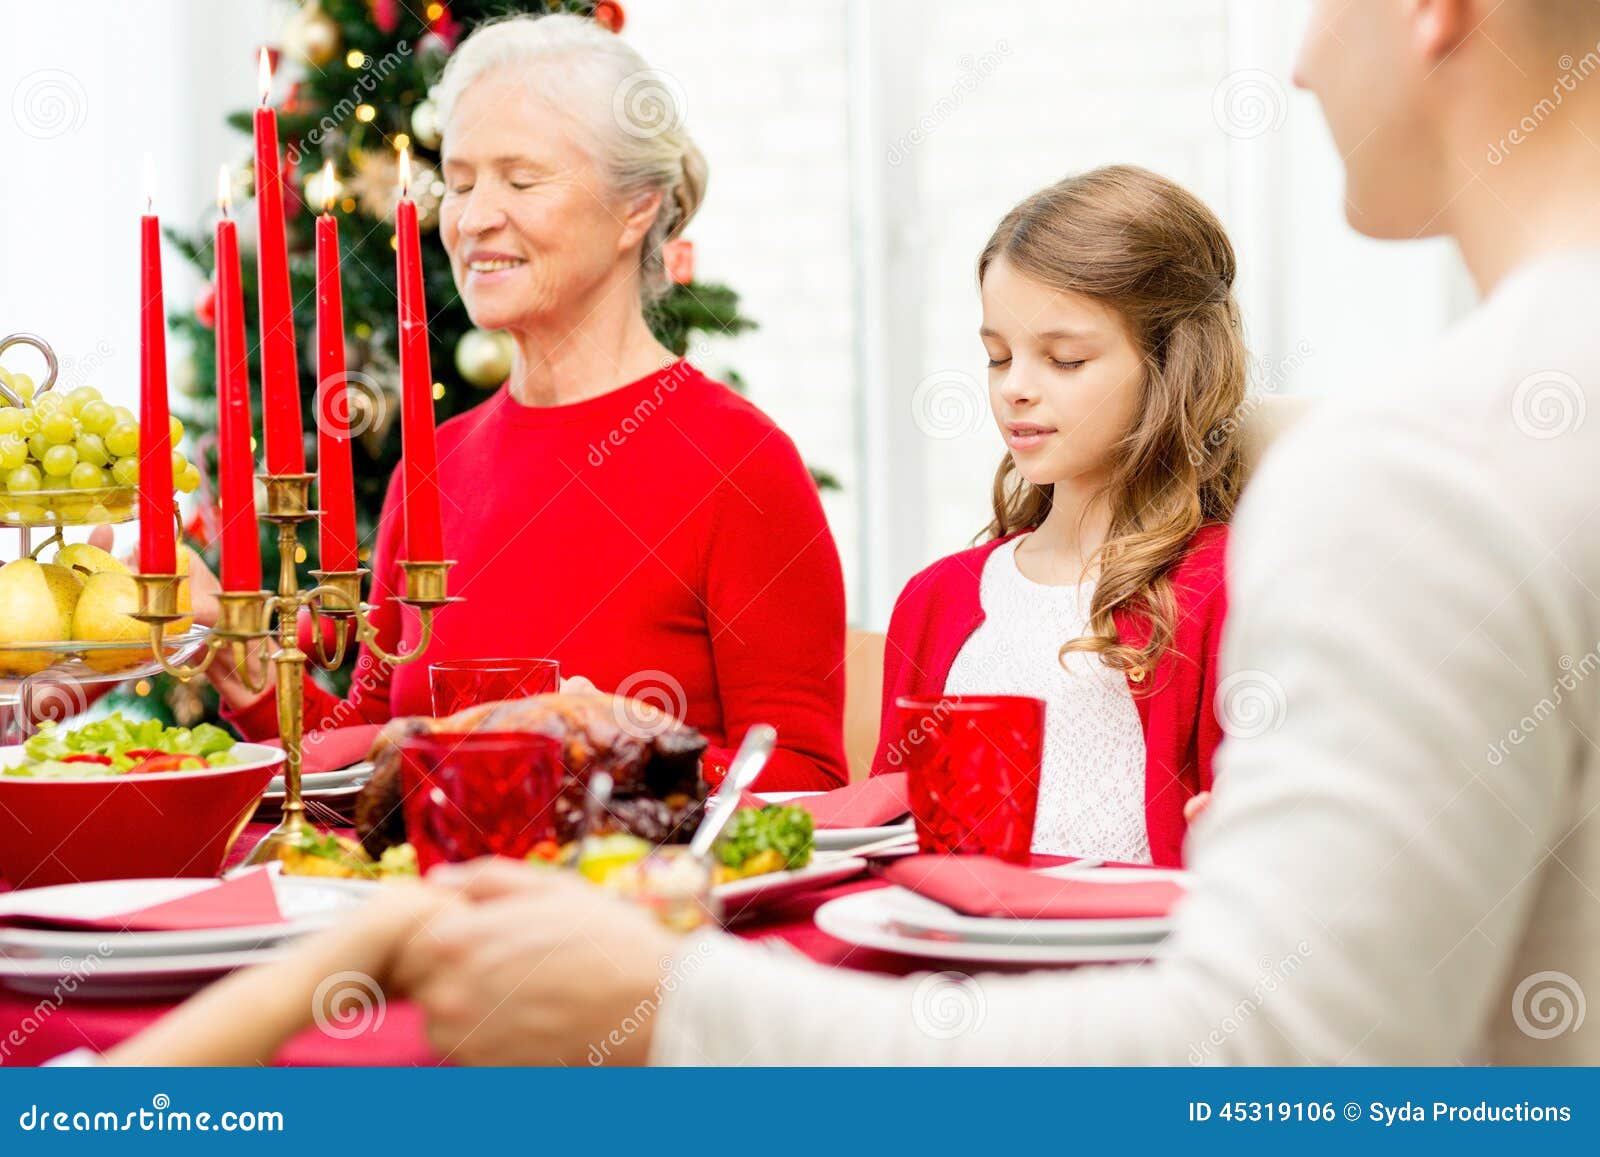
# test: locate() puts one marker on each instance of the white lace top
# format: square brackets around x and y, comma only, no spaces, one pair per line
[1091,795]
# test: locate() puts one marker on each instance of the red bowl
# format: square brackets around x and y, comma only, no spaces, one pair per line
[178,823]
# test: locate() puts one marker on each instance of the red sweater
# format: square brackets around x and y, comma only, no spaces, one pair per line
[939,610]
[664,540]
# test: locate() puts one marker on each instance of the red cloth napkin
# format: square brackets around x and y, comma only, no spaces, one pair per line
[868,804]
[241,902]
[334,748]
[982,886]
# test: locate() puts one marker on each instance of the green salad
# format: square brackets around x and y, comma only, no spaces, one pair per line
[756,841]
[117,745]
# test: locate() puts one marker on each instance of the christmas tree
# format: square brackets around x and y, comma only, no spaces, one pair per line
[352,85]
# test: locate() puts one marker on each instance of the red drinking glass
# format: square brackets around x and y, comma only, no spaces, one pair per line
[457,684]
[479,793]
[972,767]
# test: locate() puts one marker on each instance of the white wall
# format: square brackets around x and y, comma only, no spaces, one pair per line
[88,90]
[861,150]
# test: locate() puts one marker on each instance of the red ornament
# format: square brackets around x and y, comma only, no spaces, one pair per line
[385,14]
[678,257]
[608,14]
[205,306]
[201,529]
[446,27]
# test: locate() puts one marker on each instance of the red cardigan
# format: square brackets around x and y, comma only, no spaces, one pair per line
[664,539]
[939,610]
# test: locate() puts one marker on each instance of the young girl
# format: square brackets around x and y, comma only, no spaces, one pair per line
[1116,368]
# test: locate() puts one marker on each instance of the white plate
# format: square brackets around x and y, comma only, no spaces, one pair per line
[868,919]
[741,895]
[839,839]
[130,978]
[919,916]
[307,904]
[345,777]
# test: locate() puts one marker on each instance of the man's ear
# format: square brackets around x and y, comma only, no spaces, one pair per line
[642,211]
[1439,27]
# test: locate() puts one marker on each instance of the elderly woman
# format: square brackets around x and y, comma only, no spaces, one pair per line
[611,506]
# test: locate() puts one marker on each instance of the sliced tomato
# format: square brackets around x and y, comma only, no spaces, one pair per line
[137,753]
[88,757]
[165,761]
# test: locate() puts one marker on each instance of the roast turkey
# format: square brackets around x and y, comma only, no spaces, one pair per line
[652,758]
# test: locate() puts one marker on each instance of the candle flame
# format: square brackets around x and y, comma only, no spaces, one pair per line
[224,190]
[405,173]
[330,187]
[149,183]
[264,71]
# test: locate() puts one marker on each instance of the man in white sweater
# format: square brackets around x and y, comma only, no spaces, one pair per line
[1405,866]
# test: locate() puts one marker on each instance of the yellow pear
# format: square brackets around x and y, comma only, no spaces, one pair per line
[36,606]
[89,559]
[185,599]
[104,614]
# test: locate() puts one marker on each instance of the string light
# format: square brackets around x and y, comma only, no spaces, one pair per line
[365,113]
[142,687]
[438,390]
[356,58]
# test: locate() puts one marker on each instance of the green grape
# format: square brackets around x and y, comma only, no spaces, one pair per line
[22,386]
[123,439]
[123,414]
[37,445]
[23,478]
[49,403]
[86,477]
[190,481]
[13,452]
[30,423]
[11,419]
[125,471]
[178,464]
[57,426]
[97,417]
[59,460]
[92,449]
[81,397]
[175,430]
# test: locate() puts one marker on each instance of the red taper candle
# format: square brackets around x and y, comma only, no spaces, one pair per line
[157,549]
[419,454]
[280,384]
[241,546]
[336,492]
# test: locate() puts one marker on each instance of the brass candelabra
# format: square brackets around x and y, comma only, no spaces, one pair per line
[246,617]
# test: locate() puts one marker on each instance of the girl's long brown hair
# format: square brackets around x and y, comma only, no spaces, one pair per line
[1153,253]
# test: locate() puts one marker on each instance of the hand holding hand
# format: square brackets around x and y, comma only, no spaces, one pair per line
[540,968]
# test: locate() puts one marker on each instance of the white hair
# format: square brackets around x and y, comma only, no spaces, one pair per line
[629,114]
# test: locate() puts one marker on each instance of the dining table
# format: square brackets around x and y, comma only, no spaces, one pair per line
[34,1029]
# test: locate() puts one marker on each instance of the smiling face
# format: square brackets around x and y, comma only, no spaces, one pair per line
[1065,377]
[534,231]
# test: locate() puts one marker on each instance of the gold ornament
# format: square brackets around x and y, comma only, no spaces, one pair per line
[376,185]
[425,124]
[483,357]
[375,182]
[312,37]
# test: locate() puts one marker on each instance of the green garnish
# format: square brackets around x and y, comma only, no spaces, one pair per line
[777,827]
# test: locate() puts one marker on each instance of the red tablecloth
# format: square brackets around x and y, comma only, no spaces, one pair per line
[35,1028]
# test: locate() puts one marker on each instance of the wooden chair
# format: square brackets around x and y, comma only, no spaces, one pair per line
[863,698]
